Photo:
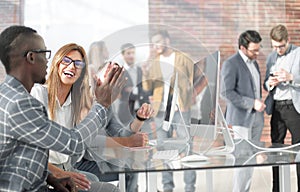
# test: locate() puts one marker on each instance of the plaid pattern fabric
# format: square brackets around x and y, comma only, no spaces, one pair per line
[26,135]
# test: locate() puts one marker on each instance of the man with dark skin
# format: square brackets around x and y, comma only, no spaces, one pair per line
[26,133]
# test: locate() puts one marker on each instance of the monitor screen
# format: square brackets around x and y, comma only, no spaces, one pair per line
[205,97]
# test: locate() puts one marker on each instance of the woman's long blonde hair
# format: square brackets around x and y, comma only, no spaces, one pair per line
[80,91]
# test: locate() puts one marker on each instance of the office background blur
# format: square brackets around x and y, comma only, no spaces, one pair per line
[214,24]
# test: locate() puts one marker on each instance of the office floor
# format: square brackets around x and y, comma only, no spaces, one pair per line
[222,180]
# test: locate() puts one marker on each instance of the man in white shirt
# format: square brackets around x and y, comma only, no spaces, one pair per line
[160,78]
[282,83]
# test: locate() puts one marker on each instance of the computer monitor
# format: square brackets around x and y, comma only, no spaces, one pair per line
[207,119]
[212,122]
[206,93]
[173,108]
[205,84]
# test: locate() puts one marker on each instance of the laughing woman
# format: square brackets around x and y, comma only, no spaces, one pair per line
[64,95]
[67,97]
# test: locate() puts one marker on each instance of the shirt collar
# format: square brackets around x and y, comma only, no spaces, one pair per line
[67,102]
[288,50]
[127,67]
[244,57]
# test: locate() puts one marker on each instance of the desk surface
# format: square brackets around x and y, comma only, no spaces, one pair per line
[244,154]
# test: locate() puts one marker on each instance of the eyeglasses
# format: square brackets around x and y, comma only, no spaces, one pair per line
[67,61]
[279,46]
[46,52]
[254,51]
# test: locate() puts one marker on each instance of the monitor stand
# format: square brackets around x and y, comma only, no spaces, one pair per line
[228,140]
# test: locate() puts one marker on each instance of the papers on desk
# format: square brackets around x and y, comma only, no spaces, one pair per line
[152,142]
[147,148]
[195,158]
[166,154]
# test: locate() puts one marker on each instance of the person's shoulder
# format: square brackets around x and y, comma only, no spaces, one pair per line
[24,102]
[234,56]
[15,97]
[13,91]
[294,54]
[182,54]
[294,46]
[296,50]
[40,92]
[272,54]
[9,97]
[184,58]
[39,87]
[232,59]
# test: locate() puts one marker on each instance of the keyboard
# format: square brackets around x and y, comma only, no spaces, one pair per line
[166,154]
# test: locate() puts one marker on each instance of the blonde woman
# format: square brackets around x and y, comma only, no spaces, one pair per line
[68,98]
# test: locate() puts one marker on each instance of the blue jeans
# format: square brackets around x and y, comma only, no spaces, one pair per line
[167,177]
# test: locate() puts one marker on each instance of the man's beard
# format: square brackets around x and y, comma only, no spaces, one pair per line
[42,81]
[164,50]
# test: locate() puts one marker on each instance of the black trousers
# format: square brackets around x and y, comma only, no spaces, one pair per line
[284,117]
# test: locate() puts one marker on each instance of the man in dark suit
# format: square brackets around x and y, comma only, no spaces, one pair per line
[241,88]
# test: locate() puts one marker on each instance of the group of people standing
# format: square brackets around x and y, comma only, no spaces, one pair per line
[241,87]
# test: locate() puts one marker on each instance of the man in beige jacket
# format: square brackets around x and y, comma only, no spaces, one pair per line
[159,77]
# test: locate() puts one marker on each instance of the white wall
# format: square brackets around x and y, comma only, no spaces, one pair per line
[84,21]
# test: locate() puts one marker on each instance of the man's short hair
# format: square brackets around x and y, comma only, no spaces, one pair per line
[126,46]
[247,37]
[7,38]
[279,33]
[162,32]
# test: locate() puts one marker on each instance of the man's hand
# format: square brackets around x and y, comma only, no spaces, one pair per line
[80,180]
[259,105]
[138,140]
[273,81]
[283,76]
[106,92]
[145,111]
[62,184]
